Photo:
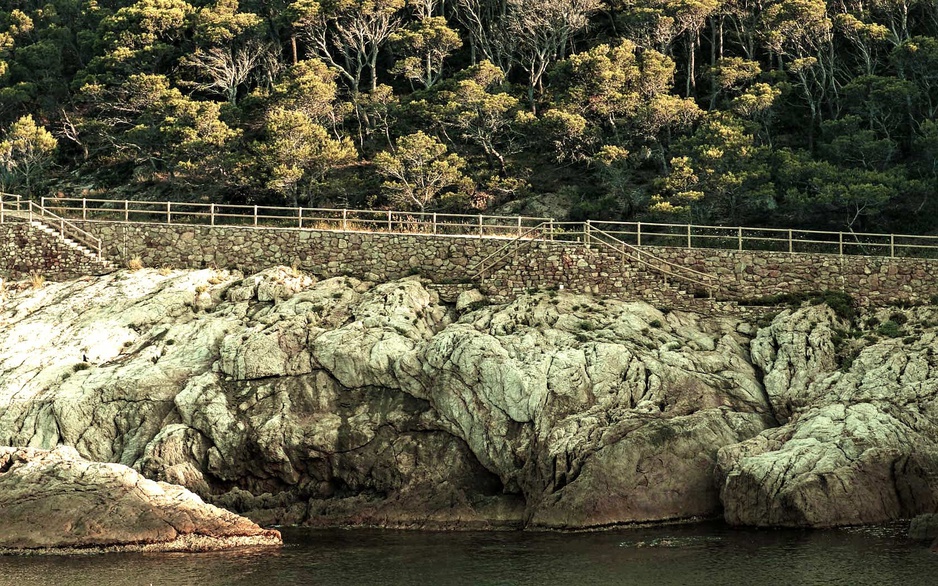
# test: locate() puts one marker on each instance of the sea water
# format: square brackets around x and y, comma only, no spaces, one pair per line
[706,554]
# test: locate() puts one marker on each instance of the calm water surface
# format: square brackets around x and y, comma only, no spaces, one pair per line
[696,555]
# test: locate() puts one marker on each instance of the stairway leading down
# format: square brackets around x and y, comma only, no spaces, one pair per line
[80,253]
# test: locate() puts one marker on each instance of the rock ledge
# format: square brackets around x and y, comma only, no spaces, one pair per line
[54,501]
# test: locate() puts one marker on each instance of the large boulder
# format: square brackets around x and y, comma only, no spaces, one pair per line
[57,499]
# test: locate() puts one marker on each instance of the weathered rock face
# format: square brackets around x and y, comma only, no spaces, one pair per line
[860,444]
[56,499]
[347,402]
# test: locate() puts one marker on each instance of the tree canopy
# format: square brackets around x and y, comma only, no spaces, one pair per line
[800,113]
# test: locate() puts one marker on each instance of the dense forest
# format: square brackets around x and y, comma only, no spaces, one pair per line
[755,112]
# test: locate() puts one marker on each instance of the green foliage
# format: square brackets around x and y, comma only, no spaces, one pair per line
[797,112]
[420,171]
[843,305]
[25,153]
[890,329]
[298,152]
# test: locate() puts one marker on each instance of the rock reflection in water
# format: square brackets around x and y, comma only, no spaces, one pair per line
[701,554]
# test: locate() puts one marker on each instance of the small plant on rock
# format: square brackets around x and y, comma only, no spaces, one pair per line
[36,280]
[135,263]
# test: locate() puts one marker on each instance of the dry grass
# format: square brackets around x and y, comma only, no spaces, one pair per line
[165,270]
[135,263]
[36,281]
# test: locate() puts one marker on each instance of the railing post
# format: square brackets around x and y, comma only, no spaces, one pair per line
[434,222]
[551,228]
[586,233]
[390,226]
[480,225]
[739,234]
[638,233]
[84,209]
[841,242]
[169,212]
[211,208]
[790,249]
[126,211]
[301,218]
[688,237]
[345,219]
[892,246]
[519,225]
[255,216]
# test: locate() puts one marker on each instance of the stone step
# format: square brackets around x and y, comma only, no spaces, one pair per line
[84,250]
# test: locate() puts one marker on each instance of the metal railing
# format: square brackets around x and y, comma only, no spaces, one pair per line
[65,228]
[693,277]
[638,234]
[772,239]
[9,202]
[539,232]
[210,214]
[15,208]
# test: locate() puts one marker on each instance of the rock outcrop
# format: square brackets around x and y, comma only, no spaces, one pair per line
[860,439]
[349,402]
[343,401]
[56,499]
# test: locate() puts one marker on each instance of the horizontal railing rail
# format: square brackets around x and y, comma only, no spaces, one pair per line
[9,202]
[773,239]
[289,217]
[638,234]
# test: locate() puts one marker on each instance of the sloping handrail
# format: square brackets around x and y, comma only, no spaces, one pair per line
[65,228]
[688,275]
[503,251]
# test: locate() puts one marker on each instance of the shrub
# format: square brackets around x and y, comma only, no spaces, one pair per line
[135,263]
[655,323]
[890,329]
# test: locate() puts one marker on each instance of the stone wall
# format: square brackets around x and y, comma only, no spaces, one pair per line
[24,250]
[449,259]
[871,280]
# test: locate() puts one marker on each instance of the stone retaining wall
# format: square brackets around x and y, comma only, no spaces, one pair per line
[24,250]
[448,259]
[871,280]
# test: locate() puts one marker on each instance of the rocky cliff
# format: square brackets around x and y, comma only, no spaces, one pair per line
[348,402]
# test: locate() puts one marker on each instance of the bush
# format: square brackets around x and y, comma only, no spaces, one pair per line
[844,305]
[890,329]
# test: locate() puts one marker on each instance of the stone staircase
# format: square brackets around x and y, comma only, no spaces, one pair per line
[75,240]
[75,245]
[615,269]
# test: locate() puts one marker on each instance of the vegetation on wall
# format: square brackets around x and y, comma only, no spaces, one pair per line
[784,112]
